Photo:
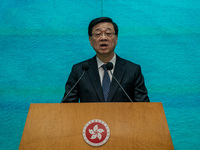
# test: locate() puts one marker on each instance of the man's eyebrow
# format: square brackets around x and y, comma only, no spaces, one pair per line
[99,29]
[108,28]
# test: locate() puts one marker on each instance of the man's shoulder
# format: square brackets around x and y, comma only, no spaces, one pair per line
[127,62]
[87,61]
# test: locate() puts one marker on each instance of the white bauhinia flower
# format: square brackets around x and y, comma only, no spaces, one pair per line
[96,133]
[95,128]
[93,136]
[100,130]
[99,136]
[91,131]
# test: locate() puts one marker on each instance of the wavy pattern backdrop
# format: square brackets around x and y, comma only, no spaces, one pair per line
[41,40]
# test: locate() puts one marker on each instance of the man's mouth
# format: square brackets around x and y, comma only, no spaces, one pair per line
[103,46]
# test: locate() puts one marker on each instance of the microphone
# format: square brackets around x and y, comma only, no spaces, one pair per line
[109,66]
[85,67]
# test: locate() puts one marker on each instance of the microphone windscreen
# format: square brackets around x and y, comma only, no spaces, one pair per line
[85,67]
[109,66]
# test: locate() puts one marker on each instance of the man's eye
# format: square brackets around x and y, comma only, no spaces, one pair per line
[108,33]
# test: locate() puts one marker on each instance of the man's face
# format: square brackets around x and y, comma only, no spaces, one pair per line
[103,39]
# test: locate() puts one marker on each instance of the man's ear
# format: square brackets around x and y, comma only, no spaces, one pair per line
[116,39]
[90,39]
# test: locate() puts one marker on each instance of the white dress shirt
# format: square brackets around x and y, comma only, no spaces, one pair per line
[101,70]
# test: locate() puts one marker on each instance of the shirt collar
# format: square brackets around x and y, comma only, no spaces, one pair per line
[100,63]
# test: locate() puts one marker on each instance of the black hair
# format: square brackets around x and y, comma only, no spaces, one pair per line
[99,20]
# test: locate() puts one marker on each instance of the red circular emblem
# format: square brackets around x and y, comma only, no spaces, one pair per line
[96,132]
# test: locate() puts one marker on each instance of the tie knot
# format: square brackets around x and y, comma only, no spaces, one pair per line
[104,67]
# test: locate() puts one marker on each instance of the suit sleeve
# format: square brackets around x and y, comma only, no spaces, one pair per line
[74,94]
[140,91]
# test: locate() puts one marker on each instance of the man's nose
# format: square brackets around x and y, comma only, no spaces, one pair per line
[103,36]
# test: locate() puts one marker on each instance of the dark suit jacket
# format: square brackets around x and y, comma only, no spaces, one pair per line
[89,88]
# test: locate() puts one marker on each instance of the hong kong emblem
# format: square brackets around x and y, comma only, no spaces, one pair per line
[96,132]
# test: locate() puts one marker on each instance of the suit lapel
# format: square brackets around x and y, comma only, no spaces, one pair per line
[118,73]
[95,79]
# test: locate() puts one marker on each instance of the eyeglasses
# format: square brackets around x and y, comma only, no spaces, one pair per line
[100,34]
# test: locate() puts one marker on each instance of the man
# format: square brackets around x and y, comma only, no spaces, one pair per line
[96,83]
